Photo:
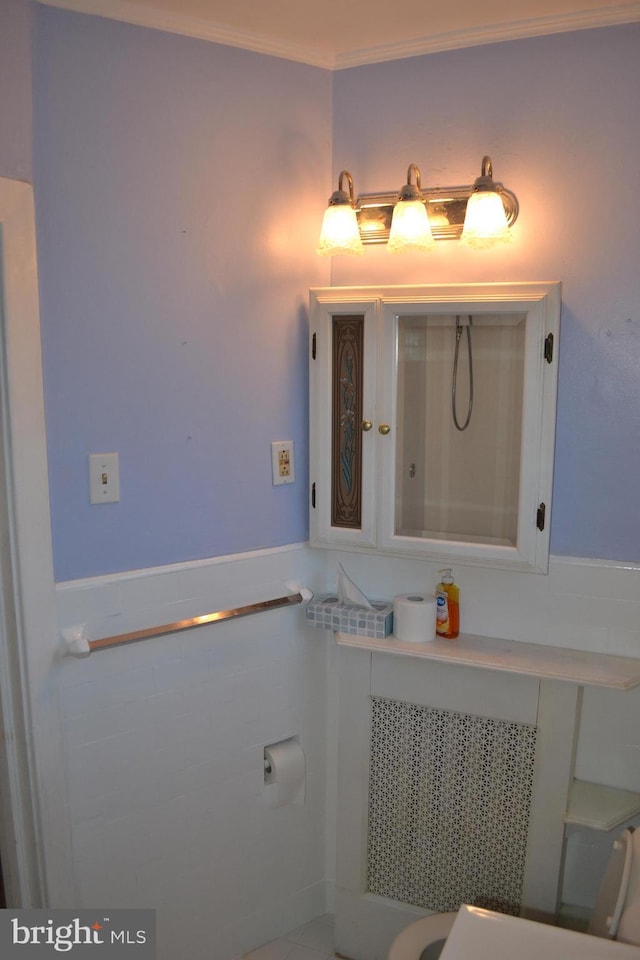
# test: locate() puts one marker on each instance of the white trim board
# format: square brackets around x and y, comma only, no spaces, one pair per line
[511,656]
[214,32]
[32,781]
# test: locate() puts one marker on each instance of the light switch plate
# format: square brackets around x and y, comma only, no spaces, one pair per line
[104,478]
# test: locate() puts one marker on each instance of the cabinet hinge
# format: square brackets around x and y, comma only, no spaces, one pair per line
[548,348]
[313,347]
[542,509]
[313,496]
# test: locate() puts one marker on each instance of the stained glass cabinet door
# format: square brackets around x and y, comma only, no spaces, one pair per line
[342,425]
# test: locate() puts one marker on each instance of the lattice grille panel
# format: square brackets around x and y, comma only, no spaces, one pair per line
[449,802]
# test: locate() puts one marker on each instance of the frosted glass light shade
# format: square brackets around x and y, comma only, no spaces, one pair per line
[339,233]
[410,228]
[485,222]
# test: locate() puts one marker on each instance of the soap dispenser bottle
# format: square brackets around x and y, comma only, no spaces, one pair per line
[447,606]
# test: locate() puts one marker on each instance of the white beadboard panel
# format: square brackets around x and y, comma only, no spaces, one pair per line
[624,643]
[82,600]
[586,856]
[584,863]
[609,745]
[577,621]
[624,615]
[586,578]
[463,689]
[163,747]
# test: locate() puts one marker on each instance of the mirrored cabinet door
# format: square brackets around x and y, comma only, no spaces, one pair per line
[459,387]
[459,440]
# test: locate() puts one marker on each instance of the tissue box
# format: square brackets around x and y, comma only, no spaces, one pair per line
[328,613]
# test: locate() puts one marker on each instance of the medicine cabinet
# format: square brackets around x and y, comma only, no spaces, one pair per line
[433,420]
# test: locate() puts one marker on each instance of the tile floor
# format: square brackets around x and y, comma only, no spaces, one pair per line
[313,941]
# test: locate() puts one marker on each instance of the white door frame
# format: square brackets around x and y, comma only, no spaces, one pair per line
[34,822]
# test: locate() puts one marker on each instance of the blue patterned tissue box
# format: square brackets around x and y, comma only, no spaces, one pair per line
[326,612]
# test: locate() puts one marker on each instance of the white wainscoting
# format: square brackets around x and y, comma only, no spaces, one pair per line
[163,744]
[162,739]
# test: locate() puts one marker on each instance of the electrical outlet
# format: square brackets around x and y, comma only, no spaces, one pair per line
[104,478]
[282,465]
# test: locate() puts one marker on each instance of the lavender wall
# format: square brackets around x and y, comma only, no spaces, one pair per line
[176,335]
[15,88]
[173,287]
[559,115]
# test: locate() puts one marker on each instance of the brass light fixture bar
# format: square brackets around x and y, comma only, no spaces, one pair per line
[446,207]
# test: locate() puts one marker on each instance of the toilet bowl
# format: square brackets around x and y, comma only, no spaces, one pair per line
[423,939]
[616,914]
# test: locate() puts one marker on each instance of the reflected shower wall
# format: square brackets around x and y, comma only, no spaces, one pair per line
[456,484]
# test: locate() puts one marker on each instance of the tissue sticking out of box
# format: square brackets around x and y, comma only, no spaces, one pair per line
[349,611]
[349,592]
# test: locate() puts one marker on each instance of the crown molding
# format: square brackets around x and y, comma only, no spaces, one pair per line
[198,28]
[144,16]
[492,33]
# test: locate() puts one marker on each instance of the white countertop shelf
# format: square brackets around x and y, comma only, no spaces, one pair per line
[512,656]
[599,807]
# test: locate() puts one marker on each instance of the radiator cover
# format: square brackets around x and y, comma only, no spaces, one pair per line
[449,804]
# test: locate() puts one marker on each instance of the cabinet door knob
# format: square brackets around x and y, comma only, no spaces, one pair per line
[366,425]
[384,429]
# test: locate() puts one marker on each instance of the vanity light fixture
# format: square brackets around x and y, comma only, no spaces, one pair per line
[410,227]
[340,233]
[447,208]
[485,222]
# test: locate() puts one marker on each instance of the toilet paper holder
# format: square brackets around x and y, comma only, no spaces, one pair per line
[284,765]
[269,772]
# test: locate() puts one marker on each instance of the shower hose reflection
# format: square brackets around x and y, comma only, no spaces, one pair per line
[459,329]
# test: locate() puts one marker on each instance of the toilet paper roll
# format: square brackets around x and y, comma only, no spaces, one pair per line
[285,773]
[414,618]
